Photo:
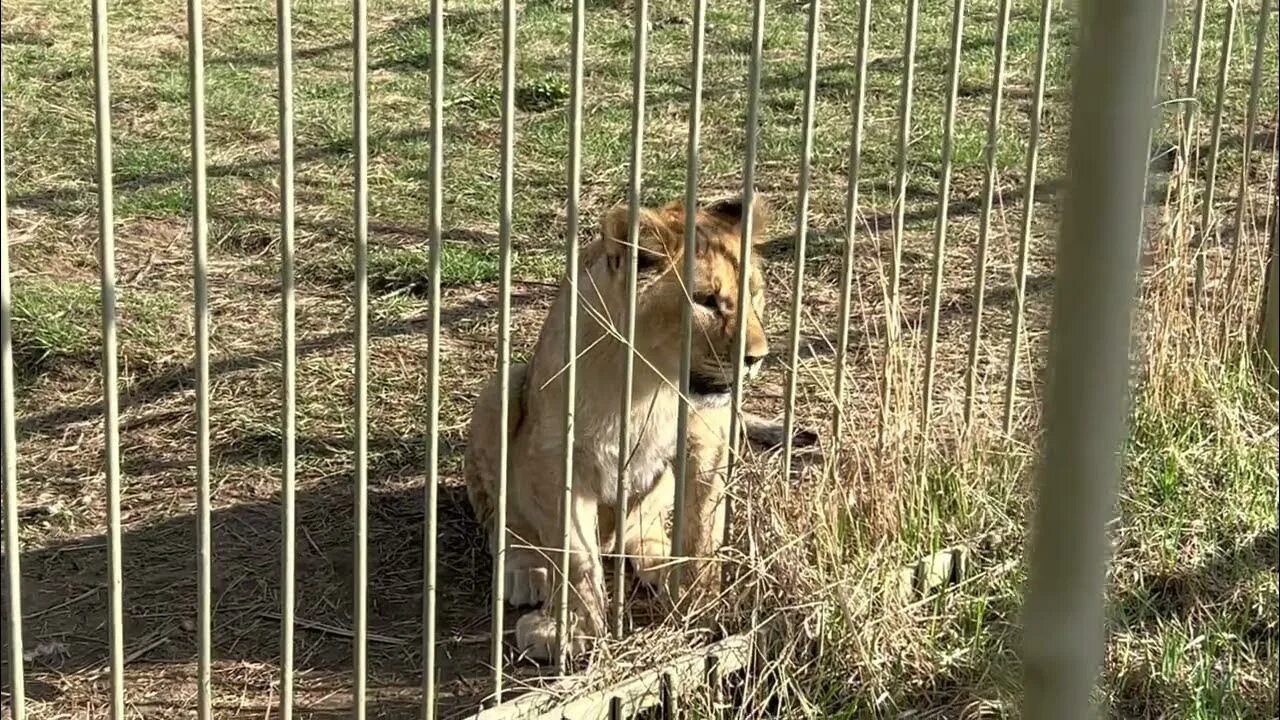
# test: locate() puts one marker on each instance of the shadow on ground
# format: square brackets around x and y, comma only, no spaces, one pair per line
[65,597]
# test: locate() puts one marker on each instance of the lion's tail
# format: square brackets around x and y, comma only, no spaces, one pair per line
[765,435]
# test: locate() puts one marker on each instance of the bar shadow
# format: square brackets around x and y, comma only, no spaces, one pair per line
[64,590]
[149,388]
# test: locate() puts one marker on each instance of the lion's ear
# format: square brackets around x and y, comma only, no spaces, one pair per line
[732,210]
[658,237]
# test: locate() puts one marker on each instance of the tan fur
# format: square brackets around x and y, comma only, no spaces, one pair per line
[536,403]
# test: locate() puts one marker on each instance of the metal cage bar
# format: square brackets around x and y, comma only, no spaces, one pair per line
[507,162]
[1028,215]
[893,309]
[572,230]
[431,526]
[1155,123]
[688,264]
[9,438]
[110,360]
[360,131]
[1269,340]
[1251,127]
[640,50]
[744,252]
[200,272]
[288,357]
[1086,395]
[1189,152]
[802,231]
[851,222]
[944,206]
[1192,107]
[669,702]
[1211,172]
[991,155]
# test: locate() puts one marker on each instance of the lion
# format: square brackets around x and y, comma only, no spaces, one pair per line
[536,405]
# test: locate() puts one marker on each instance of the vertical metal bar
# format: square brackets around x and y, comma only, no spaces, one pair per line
[1088,354]
[1215,137]
[1189,152]
[851,221]
[1028,213]
[1251,127]
[714,677]
[431,527]
[360,40]
[572,217]
[984,220]
[744,253]
[1270,218]
[110,373]
[899,215]
[1270,315]
[669,696]
[1157,110]
[507,162]
[289,354]
[200,254]
[802,231]
[944,204]
[1155,101]
[1192,111]
[640,51]
[688,265]
[12,544]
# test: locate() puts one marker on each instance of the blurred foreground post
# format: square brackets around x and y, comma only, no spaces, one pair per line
[1086,397]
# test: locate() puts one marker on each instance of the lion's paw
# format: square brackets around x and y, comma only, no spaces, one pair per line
[536,637]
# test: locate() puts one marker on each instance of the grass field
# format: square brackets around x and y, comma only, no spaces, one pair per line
[1193,614]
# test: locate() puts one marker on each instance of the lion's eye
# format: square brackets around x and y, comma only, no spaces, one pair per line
[709,301]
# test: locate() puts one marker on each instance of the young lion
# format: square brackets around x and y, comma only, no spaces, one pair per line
[536,407]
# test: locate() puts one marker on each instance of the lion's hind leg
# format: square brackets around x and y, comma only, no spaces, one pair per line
[525,573]
[526,576]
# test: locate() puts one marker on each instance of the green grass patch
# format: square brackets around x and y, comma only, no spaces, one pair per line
[62,321]
[408,270]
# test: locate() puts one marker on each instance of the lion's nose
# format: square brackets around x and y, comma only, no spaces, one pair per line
[752,361]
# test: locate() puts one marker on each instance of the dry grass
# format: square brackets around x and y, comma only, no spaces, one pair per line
[1194,629]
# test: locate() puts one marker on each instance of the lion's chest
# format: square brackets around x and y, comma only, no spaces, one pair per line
[651,449]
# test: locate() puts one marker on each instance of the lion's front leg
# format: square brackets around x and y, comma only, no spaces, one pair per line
[536,631]
[704,506]
[648,544]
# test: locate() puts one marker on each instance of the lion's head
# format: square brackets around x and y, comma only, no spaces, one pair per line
[662,292]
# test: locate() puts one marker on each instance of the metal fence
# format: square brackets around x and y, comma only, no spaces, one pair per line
[1116,66]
